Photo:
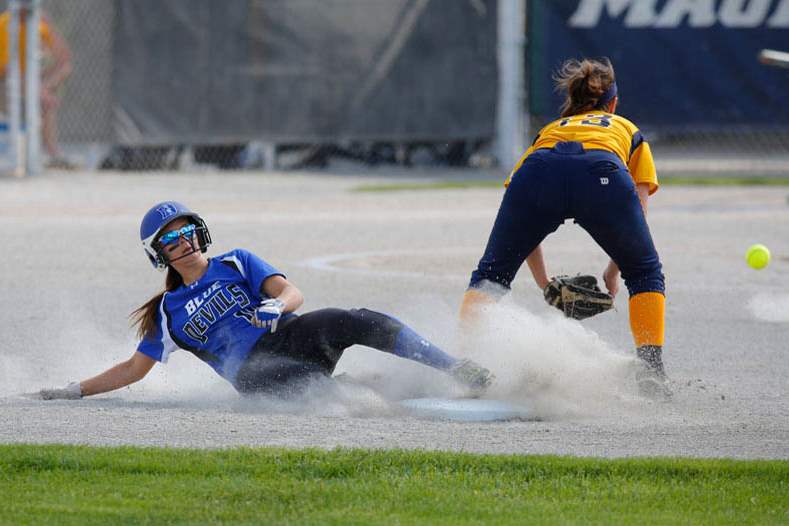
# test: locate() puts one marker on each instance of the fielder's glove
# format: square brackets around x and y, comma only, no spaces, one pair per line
[578,297]
[72,391]
[268,313]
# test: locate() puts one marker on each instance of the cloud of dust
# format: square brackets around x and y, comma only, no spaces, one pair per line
[548,363]
[553,365]
[73,347]
[57,353]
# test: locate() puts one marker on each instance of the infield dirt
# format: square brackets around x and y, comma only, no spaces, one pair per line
[73,269]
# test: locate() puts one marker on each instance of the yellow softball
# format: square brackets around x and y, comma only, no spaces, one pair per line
[758,256]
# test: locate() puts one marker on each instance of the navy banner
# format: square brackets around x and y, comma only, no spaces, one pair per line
[680,64]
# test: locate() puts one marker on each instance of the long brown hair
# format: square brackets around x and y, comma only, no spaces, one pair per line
[584,82]
[145,316]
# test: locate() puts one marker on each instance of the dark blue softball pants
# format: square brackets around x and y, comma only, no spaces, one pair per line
[591,186]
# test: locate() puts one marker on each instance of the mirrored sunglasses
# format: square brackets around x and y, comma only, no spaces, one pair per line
[173,236]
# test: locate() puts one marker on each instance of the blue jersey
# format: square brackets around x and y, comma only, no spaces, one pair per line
[210,317]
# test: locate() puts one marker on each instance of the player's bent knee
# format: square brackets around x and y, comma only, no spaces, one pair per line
[383,322]
[371,328]
[650,282]
[493,282]
[490,288]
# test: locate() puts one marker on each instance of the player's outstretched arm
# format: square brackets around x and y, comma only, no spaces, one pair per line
[282,297]
[537,267]
[611,278]
[121,375]
[280,288]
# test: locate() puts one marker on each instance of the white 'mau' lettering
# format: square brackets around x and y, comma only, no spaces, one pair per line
[697,13]
[744,13]
[639,14]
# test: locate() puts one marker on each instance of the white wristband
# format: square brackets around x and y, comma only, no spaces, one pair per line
[74,388]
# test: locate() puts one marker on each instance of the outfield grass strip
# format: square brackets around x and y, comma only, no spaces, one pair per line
[487,183]
[86,485]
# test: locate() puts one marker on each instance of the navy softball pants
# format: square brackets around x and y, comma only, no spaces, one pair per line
[309,346]
[591,186]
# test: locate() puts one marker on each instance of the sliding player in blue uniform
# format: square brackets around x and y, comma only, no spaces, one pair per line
[236,313]
[595,167]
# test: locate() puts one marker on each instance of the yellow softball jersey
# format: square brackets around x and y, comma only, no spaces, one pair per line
[601,131]
[5,18]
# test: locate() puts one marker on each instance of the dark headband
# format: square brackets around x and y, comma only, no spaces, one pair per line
[608,96]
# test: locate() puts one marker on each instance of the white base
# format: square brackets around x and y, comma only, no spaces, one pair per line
[465,409]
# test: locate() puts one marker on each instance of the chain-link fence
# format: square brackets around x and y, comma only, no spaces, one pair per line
[289,83]
[184,84]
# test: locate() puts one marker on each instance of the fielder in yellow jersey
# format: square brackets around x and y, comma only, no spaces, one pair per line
[601,131]
[595,167]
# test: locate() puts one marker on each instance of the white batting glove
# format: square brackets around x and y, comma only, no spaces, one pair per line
[72,391]
[268,313]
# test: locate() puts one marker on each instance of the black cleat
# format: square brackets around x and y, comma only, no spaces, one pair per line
[651,377]
[472,375]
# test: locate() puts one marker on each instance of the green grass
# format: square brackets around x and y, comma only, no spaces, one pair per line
[724,181]
[441,185]
[83,485]
[488,183]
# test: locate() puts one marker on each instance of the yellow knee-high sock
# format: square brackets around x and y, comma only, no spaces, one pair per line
[647,318]
[473,301]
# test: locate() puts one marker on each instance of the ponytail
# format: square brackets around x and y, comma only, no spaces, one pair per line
[584,83]
[144,317]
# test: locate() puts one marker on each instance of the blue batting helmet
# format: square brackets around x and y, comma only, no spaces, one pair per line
[158,217]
